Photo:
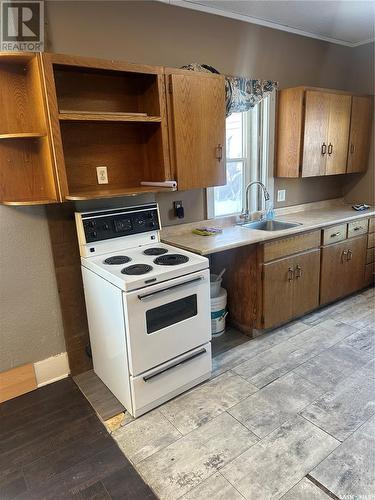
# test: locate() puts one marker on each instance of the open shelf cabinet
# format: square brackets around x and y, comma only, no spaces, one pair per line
[27,169]
[108,114]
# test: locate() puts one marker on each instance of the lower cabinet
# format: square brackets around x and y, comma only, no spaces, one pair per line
[290,287]
[342,268]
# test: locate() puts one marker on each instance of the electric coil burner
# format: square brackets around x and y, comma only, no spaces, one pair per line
[149,320]
[155,251]
[117,259]
[172,259]
[136,269]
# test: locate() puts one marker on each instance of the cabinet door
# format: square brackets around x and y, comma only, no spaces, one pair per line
[333,272]
[360,134]
[198,114]
[338,133]
[356,261]
[306,282]
[277,292]
[315,136]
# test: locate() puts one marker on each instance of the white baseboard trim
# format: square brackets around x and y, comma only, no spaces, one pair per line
[51,369]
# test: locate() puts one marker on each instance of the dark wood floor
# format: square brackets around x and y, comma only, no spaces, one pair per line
[53,446]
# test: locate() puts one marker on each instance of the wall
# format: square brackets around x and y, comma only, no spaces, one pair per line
[30,318]
[153,33]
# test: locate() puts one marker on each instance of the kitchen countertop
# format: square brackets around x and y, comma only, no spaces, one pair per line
[235,236]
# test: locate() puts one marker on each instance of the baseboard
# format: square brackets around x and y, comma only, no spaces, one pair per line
[51,369]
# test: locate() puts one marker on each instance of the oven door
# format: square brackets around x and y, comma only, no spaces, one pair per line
[166,320]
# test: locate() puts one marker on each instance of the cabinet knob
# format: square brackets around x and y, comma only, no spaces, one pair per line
[298,271]
[323,149]
[219,152]
[330,149]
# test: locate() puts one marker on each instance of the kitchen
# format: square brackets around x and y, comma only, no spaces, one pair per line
[43,311]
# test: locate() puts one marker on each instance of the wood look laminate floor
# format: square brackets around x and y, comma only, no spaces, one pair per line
[53,446]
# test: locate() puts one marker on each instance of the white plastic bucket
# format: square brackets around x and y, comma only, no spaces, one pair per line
[215,285]
[218,313]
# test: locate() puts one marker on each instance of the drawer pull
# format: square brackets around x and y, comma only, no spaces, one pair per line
[290,274]
[350,255]
[330,149]
[323,149]
[334,235]
[298,271]
[357,228]
[343,255]
[178,363]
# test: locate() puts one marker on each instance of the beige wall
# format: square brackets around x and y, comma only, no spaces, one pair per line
[153,33]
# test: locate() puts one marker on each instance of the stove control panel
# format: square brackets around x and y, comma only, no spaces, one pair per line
[108,224]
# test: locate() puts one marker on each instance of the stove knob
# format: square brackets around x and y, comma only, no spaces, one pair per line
[91,223]
[106,227]
[94,234]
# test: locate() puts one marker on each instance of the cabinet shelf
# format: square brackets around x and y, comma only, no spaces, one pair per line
[110,193]
[107,116]
[22,135]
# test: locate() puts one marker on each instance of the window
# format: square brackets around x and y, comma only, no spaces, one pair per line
[249,157]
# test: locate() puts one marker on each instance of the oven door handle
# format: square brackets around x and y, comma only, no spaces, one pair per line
[177,363]
[152,294]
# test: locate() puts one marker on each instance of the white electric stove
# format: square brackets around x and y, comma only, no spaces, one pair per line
[148,307]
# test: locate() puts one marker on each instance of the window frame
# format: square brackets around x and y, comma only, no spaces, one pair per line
[258,148]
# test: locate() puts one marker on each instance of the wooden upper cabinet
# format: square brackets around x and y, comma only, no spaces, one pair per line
[313,127]
[196,114]
[27,163]
[360,133]
[338,133]
[317,120]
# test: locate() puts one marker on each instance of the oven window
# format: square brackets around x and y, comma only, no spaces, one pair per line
[171,313]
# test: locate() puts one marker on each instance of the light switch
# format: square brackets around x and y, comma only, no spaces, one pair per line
[281,194]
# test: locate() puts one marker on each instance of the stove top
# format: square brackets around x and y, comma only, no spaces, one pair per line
[122,245]
[144,268]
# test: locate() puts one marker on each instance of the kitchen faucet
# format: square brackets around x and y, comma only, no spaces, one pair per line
[246,213]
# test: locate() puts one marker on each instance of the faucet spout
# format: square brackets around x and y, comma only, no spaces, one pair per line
[246,213]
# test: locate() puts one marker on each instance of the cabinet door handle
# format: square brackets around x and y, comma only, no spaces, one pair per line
[333,235]
[290,274]
[350,255]
[352,148]
[219,152]
[298,271]
[330,149]
[343,256]
[323,149]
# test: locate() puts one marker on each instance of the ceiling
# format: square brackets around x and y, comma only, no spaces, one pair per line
[345,22]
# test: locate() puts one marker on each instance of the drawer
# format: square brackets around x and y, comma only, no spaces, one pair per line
[370,256]
[369,273]
[160,384]
[289,246]
[334,234]
[371,240]
[371,225]
[357,227]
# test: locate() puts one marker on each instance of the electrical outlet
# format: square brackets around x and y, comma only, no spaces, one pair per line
[101,173]
[281,194]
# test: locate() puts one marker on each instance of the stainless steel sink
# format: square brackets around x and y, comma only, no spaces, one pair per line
[270,225]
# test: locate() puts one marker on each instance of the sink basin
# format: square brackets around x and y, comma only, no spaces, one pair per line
[270,225]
